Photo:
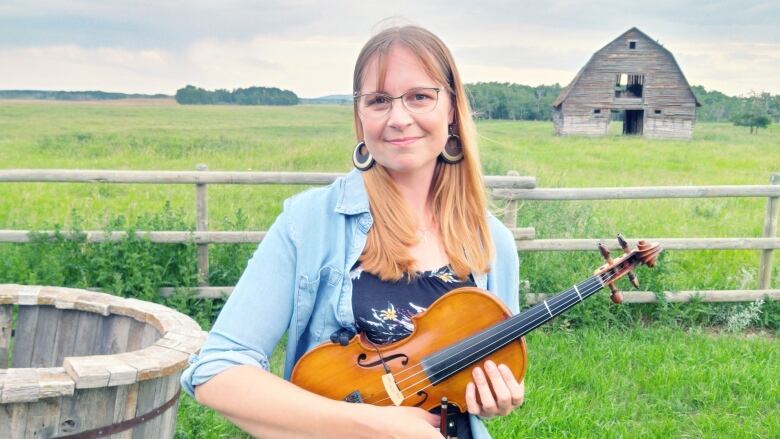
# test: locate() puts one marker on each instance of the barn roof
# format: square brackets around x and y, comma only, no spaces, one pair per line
[565,92]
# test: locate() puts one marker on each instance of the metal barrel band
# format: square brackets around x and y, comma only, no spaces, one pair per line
[124,425]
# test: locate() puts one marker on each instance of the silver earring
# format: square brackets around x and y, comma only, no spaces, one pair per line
[362,160]
[453,150]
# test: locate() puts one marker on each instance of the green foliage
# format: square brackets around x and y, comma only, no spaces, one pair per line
[718,107]
[190,95]
[493,100]
[129,267]
[753,119]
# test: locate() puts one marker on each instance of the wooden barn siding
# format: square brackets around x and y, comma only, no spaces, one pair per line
[664,89]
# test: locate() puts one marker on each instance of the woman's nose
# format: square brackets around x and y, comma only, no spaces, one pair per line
[399,116]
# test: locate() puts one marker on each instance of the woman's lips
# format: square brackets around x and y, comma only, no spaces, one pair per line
[403,141]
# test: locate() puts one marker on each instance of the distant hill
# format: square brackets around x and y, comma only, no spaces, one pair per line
[329,99]
[91,95]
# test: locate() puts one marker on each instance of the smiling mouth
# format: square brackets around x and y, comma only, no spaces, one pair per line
[403,141]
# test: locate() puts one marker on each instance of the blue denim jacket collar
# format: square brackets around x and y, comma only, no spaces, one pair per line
[353,198]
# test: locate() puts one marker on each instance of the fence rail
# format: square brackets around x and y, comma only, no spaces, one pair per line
[510,188]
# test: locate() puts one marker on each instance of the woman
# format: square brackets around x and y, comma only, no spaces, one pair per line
[364,254]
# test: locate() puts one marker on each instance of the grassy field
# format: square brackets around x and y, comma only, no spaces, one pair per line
[319,138]
[622,377]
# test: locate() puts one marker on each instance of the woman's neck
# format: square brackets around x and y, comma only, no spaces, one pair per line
[415,189]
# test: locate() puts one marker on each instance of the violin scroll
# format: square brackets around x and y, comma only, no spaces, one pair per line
[645,253]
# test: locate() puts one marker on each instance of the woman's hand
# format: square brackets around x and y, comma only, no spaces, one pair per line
[397,422]
[499,391]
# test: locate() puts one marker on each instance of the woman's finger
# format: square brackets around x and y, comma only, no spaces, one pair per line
[488,406]
[500,388]
[517,390]
[471,399]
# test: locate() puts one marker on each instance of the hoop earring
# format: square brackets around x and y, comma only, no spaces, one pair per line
[453,150]
[362,161]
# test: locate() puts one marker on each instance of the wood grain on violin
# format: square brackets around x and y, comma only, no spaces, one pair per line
[461,329]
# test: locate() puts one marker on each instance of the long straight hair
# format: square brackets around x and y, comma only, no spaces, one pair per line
[457,190]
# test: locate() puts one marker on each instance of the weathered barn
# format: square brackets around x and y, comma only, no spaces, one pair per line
[633,79]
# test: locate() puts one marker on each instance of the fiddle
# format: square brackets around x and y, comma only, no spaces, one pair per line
[431,367]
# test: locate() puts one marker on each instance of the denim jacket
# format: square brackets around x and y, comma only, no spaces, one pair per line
[297,282]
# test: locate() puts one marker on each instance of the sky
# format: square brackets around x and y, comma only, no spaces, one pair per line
[310,47]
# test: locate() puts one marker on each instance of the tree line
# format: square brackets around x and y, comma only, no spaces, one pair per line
[503,100]
[494,100]
[191,95]
[717,107]
[74,95]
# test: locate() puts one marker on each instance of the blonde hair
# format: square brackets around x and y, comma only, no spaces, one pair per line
[457,190]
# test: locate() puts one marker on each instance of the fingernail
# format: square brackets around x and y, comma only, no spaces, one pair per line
[490,365]
[477,372]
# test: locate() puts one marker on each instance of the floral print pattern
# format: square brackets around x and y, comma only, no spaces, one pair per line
[384,310]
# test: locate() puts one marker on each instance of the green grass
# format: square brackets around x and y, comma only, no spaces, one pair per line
[657,376]
[319,138]
[647,382]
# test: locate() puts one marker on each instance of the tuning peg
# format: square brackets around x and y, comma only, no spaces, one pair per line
[616,296]
[634,280]
[605,253]
[623,243]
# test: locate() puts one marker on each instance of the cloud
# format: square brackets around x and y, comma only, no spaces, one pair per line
[310,47]
[310,67]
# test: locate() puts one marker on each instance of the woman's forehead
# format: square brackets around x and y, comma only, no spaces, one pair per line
[397,70]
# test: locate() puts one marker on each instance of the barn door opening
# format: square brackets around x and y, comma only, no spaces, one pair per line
[633,121]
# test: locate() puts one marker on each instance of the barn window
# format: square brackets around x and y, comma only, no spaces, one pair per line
[628,85]
[597,111]
[632,45]
[658,112]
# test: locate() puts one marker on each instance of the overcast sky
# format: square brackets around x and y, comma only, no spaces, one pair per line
[309,47]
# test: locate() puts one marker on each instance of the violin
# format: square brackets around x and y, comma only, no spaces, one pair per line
[431,367]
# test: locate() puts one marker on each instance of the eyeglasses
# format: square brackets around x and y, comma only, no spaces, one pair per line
[417,100]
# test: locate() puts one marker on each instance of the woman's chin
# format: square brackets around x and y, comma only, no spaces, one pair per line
[409,167]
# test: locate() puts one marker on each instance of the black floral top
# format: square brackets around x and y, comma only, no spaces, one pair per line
[383,310]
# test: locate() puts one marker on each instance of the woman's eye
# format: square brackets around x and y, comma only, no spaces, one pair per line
[421,97]
[377,100]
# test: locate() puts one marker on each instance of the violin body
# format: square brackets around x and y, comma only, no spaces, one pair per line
[355,372]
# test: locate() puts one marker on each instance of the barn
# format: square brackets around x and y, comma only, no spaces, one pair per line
[633,80]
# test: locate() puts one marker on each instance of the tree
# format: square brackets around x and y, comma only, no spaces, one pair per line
[753,120]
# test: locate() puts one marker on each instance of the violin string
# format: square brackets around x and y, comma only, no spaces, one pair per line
[541,317]
[498,331]
[601,283]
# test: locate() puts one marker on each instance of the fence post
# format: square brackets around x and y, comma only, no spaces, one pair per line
[770,231]
[510,209]
[202,225]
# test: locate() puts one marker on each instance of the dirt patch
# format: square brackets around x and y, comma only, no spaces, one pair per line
[748,333]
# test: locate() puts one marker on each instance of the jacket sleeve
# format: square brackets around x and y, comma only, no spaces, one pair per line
[256,314]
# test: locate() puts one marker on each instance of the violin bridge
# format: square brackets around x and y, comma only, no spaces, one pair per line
[392,389]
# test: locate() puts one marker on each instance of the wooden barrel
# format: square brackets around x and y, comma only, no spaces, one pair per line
[80,364]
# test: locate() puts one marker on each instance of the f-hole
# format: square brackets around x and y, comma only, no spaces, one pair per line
[362,357]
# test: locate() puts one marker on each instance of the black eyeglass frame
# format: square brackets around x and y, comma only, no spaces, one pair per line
[356,96]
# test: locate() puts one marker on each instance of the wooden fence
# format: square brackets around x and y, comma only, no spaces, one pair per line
[510,188]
